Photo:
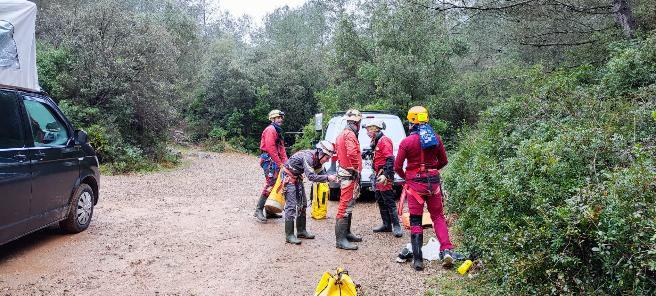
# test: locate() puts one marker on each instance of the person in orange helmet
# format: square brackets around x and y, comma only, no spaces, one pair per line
[425,155]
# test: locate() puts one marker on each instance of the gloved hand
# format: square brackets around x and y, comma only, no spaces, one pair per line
[381,179]
[367,154]
[332,178]
[355,174]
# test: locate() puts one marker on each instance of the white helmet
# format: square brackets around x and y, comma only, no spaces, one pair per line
[353,115]
[276,113]
[377,123]
[326,147]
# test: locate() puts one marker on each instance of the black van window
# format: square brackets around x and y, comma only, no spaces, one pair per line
[11,132]
[47,129]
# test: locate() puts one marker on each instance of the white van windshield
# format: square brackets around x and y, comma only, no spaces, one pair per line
[394,129]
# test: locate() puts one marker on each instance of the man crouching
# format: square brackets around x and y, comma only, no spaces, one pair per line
[308,162]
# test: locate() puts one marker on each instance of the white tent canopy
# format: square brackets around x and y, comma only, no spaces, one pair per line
[17,44]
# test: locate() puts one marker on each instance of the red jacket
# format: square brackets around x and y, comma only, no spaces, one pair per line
[270,144]
[348,150]
[410,149]
[384,150]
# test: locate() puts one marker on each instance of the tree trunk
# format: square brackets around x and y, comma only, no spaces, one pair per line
[624,17]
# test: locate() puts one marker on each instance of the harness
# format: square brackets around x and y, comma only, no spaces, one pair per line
[381,169]
[429,176]
[290,177]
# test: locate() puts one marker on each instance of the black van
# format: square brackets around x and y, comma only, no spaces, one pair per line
[48,171]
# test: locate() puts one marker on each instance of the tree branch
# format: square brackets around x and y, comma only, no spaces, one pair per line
[557,43]
[586,10]
[449,6]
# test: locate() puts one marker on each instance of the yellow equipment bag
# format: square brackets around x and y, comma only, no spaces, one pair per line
[339,284]
[320,193]
[275,203]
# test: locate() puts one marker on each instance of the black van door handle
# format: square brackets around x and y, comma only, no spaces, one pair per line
[40,155]
[20,157]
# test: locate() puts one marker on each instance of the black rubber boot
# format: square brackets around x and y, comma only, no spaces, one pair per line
[417,240]
[341,227]
[396,227]
[289,233]
[384,214]
[349,235]
[301,231]
[273,215]
[393,214]
[259,210]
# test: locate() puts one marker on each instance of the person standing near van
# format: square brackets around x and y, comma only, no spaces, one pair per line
[272,159]
[350,166]
[309,163]
[383,177]
[425,155]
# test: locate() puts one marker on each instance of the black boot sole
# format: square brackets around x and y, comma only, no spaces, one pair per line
[348,249]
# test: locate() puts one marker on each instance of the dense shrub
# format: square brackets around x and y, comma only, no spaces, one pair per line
[556,188]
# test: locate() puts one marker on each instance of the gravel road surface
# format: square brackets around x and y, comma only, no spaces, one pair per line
[191,231]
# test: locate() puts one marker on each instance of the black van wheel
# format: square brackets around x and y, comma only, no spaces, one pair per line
[80,210]
[334,194]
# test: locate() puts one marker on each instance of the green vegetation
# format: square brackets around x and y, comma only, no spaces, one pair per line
[556,187]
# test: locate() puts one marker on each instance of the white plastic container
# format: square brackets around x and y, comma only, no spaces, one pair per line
[17,44]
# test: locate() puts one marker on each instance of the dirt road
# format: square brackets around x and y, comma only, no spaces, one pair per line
[191,232]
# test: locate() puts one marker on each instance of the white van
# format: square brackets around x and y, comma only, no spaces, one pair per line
[393,129]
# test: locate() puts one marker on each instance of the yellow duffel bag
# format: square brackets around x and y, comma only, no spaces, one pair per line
[275,203]
[339,284]
[320,192]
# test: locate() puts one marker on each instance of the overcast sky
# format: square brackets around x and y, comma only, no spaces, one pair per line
[257,9]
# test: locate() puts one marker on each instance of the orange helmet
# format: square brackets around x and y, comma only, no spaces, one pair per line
[417,115]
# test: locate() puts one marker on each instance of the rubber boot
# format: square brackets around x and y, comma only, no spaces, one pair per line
[273,215]
[301,231]
[417,239]
[349,235]
[396,227]
[289,233]
[394,215]
[384,215]
[341,227]
[259,210]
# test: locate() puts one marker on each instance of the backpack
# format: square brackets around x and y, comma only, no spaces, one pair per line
[427,137]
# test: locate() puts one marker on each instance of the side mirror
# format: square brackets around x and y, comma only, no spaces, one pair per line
[80,137]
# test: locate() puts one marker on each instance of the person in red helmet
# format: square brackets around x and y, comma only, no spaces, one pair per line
[383,177]
[425,155]
[350,165]
[272,159]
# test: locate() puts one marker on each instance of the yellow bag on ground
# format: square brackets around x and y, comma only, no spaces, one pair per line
[426,221]
[339,284]
[275,203]
[320,193]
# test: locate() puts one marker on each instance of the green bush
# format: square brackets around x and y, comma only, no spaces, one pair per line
[306,139]
[555,188]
